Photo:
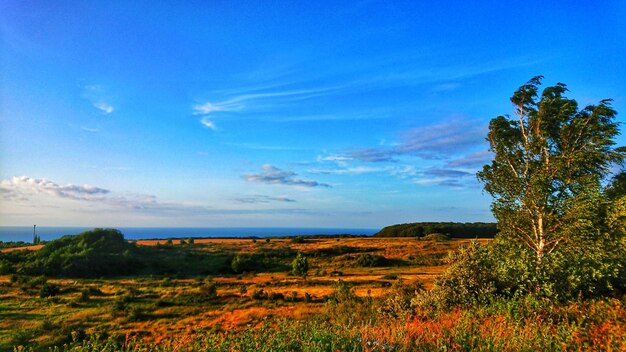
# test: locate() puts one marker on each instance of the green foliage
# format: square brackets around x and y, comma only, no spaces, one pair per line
[242,263]
[300,265]
[84,296]
[617,187]
[49,290]
[13,244]
[437,237]
[95,253]
[548,165]
[370,260]
[298,240]
[469,279]
[454,229]
[397,301]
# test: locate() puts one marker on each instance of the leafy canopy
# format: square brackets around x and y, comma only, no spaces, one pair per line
[549,161]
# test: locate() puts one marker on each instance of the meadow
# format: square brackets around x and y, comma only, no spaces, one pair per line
[162,307]
[355,296]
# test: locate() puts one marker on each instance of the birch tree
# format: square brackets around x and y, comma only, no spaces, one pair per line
[549,161]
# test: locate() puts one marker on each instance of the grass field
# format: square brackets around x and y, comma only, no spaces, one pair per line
[340,305]
[161,307]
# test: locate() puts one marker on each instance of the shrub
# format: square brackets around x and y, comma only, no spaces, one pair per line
[242,263]
[84,296]
[344,306]
[298,240]
[274,296]
[369,260]
[300,265]
[243,290]
[209,290]
[437,236]
[259,294]
[390,277]
[469,279]
[37,282]
[49,290]
[397,302]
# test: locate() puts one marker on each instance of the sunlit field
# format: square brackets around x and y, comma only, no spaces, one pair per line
[340,304]
[159,308]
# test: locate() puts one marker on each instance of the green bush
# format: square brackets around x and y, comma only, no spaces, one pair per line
[469,279]
[242,263]
[95,253]
[397,302]
[298,240]
[370,260]
[49,290]
[437,236]
[300,265]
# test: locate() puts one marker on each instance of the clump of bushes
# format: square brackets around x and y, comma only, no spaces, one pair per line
[397,302]
[49,290]
[242,263]
[469,279]
[298,240]
[275,296]
[371,260]
[259,294]
[209,289]
[437,237]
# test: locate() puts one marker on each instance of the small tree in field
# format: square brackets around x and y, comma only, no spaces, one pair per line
[300,265]
[549,161]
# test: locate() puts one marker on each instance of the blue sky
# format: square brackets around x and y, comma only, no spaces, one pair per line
[281,114]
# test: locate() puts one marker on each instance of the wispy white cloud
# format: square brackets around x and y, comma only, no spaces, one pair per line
[436,141]
[355,170]
[89,129]
[451,178]
[97,95]
[340,160]
[104,107]
[254,100]
[207,123]
[254,199]
[276,176]
[209,107]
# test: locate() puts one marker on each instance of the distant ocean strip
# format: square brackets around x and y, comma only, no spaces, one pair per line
[25,233]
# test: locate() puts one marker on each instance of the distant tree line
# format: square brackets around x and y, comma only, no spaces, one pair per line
[453,229]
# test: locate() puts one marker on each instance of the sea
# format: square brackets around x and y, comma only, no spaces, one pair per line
[25,233]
